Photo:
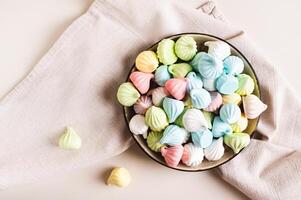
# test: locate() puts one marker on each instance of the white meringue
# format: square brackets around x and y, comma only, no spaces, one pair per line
[215,151]
[138,126]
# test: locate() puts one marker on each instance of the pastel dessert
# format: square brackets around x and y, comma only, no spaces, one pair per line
[162,75]
[246,85]
[176,87]
[220,128]
[173,108]
[158,94]
[153,141]
[172,155]
[215,151]
[194,120]
[156,118]
[253,106]
[147,61]
[237,141]
[142,104]
[216,102]
[194,81]
[70,140]
[141,81]
[174,135]
[202,138]
[233,65]
[166,52]
[200,98]
[179,70]
[218,49]
[227,84]
[138,126]
[127,94]
[119,177]
[230,113]
[192,155]
[185,48]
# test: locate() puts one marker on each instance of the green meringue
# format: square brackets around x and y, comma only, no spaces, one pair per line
[153,141]
[156,118]
[70,140]
[186,47]
[209,116]
[237,141]
[166,52]
[246,85]
[179,70]
[127,94]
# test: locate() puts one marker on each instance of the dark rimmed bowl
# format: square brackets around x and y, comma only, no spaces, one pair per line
[200,38]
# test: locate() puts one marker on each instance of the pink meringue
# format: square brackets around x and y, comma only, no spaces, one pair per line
[253,106]
[158,95]
[142,104]
[176,87]
[216,102]
[141,81]
[172,155]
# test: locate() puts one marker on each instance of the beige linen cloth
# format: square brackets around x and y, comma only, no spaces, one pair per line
[75,84]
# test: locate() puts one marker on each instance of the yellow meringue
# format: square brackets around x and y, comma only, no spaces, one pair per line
[70,140]
[119,177]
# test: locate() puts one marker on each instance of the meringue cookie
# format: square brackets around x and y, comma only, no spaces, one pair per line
[147,61]
[202,138]
[216,102]
[194,120]
[233,65]
[220,128]
[253,106]
[232,98]
[158,95]
[218,49]
[209,84]
[172,155]
[230,113]
[209,118]
[156,118]
[173,108]
[153,141]
[240,125]
[176,87]
[166,52]
[237,141]
[186,48]
[162,75]
[192,155]
[207,65]
[174,135]
[226,84]
[138,126]
[70,140]
[179,120]
[142,104]
[127,94]
[141,81]
[246,85]
[215,151]
[194,81]
[119,177]
[179,70]
[200,98]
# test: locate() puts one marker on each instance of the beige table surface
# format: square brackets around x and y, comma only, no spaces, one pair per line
[29,27]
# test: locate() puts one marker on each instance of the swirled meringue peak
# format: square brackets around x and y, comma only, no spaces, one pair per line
[253,106]
[200,98]
[174,135]
[246,85]
[127,94]
[153,141]
[162,75]
[138,126]
[230,113]
[179,120]
[158,95]
[172,155]
[179,70]
[173,108]
[166,52]
[218,49]
[70,139]
[233,65]
[227,84]
[194,81]
[176,87]
[156,118]
[192,155]
[141,81]
[220,128]
[232,98]
[147,61]
[215,151]
[240,125]
[194,120]
[209,84]
[207,65]
[209,118]
[119,177]
[237,141]
[142,104]
[186,48]
[216,102]
[202,138]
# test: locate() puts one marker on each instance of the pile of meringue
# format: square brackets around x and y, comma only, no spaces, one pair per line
[188,104]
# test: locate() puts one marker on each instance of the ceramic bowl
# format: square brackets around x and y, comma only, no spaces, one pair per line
[229,154]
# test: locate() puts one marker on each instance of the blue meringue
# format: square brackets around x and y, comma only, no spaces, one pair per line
[202,139]
[174,135]
[194,81]
[220,128]
[173,108]
[230,113]
[233,65]
[227,84]
[218,49]
[207,65]
[209,84]
[162,75]
[200,98]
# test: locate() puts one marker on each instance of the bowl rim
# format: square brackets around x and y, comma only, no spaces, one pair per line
[259,94]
